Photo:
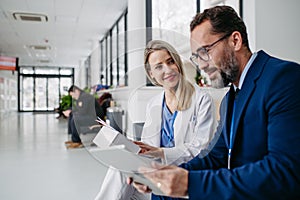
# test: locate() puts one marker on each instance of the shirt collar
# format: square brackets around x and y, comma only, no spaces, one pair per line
[245,71]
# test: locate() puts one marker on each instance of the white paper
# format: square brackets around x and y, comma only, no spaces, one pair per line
[108,137]
[126,162]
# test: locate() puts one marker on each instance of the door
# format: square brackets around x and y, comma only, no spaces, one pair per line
[40,94]
[43,93]
[26,94]
[46,94]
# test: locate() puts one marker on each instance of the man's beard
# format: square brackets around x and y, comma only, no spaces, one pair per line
[229,70]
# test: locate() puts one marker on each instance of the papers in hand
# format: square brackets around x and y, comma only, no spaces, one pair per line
[128,163]
[108,137]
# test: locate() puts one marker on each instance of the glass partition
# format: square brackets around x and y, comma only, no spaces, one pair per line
[42,88]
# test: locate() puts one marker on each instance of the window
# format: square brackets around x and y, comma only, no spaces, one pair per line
[27,70]
[233,3]
[103,72]
[47,70]
[113,65]
[87,65]
[171,20]
[121,53]
[66,71]
[108,61]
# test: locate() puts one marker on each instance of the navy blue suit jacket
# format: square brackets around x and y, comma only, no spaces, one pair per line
[265,162]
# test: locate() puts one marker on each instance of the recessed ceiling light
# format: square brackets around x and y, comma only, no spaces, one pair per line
[34,17]
[44,61]
[39,47]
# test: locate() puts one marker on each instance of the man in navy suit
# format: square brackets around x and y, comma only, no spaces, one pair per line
[257,153]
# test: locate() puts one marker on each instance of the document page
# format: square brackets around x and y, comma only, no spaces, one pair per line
[108,137]
[126,162]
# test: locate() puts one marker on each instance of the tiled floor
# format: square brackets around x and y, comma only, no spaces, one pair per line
[35,165]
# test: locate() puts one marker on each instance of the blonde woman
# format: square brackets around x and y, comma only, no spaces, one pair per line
[180,121]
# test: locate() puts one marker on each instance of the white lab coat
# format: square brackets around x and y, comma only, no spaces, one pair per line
[193,130]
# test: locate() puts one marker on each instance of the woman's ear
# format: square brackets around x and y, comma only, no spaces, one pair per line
[150,74]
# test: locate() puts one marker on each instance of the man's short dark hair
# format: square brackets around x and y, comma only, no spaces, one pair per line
[73,87]
[224,20]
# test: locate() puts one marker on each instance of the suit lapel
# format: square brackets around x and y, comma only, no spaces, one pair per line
[228,113]
[248,88]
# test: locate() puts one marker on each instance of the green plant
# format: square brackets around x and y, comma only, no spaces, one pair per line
[66,102]
[88,90]
[200,80]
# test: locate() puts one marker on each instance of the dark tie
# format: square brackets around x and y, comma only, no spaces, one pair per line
[232,100]
[236,93]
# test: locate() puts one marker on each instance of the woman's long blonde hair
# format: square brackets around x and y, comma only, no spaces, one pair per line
[185,89]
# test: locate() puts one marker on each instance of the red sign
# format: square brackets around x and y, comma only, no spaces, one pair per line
[8,63]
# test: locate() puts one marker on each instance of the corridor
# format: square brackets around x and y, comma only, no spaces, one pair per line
[35,164]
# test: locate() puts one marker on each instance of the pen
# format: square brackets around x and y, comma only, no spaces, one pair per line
[99,120]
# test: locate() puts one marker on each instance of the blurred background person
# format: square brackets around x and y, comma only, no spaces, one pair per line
[84,112]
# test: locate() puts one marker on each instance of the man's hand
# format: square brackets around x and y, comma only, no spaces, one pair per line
[171,180]
[67,112]
[140,187]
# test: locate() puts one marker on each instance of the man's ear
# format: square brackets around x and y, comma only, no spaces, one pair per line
[237,41]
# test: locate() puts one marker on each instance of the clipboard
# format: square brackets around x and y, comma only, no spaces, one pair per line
[127,163]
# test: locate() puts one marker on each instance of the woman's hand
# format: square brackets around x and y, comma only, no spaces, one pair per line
[150,150]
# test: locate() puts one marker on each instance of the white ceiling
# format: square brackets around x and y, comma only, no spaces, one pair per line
[72,28]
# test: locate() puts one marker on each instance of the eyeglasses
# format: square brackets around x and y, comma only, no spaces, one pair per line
[202,52]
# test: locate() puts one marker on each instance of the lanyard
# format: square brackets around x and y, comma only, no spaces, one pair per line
[231,136]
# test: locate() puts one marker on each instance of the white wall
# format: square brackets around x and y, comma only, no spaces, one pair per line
[273,26]
[136,42]
[95,64]
[80,75]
